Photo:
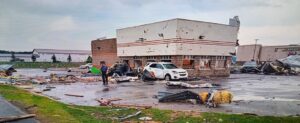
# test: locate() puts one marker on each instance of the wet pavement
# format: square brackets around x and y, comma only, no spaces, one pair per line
[258,94]
[7,109]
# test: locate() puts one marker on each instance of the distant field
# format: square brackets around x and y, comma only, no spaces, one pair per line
[42,64]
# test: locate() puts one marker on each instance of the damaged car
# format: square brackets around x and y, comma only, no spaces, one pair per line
[289,66]
[250,67]
[166,70]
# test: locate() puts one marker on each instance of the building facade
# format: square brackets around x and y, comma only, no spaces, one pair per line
[248,52]
[203,48]
[20,57]
[266,53]
[271,53]
[104,50]
[45,55]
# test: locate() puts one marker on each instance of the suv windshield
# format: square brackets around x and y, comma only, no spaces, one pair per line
[169,66]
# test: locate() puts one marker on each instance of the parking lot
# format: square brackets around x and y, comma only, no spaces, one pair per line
[253,93]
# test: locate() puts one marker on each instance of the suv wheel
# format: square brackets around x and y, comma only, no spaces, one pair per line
[167,77]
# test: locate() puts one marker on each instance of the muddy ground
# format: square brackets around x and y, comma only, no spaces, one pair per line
[257,94]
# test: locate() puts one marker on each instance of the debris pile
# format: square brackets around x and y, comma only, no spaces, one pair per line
[89,78]
[58,78]
[148,76]
[210,99]
[106,102]
[288,66]
[173,84]
[6,70]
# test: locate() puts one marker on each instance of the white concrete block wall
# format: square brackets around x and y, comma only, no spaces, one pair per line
[149,50]
[271,53]
[245,52]
[180,37]
[148,31]
[196,49]
[219,39]
[189,29]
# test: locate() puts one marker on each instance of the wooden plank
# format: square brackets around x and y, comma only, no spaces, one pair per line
[14,118]
[74,95]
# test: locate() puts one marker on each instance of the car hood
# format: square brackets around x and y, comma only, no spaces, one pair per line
[178,70]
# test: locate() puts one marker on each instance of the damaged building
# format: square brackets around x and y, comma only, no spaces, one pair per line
[202,48]
[266,53]
[104,50]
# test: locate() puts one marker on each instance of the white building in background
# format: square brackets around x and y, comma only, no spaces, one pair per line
[21,57]
[266,53]
[45,55]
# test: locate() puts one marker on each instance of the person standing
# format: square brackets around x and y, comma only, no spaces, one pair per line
[104,70]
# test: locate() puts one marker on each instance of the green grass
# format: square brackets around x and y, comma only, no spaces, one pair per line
[55,112]
[42,64]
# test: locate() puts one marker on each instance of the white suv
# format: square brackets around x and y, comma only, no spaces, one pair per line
[166,70]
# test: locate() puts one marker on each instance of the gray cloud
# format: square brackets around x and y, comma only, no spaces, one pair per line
[28,24]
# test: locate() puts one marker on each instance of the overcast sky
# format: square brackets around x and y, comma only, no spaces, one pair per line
[72,24]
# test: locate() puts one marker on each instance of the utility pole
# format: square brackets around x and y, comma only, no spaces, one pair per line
[254,49]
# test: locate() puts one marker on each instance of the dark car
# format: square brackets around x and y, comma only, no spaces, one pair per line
[250,67]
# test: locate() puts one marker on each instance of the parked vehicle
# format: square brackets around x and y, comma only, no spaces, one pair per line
[119,69]
[86,66]
[250,66]
[166,70]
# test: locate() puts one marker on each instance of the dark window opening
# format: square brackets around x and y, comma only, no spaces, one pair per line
[188,64]
[166,60]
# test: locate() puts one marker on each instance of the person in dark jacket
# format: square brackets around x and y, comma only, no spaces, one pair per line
[104,70]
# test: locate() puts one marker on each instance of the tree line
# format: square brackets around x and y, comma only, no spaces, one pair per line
[54,60]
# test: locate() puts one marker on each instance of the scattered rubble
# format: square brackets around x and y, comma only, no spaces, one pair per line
[173,84]
[74,95]
[106,102]
[131,106]
[214,98]
[6,70]
[148,76]
[59,78]
[181,96]
[286,66]
[130,116]
[145,118]
[47,89]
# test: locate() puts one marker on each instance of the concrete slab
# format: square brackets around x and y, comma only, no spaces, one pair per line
[7,109]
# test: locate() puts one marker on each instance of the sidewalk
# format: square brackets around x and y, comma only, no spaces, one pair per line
[7,109]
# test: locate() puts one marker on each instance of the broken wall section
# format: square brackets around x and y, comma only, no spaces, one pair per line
[104,50]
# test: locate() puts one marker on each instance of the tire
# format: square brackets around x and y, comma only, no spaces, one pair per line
[168,77]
